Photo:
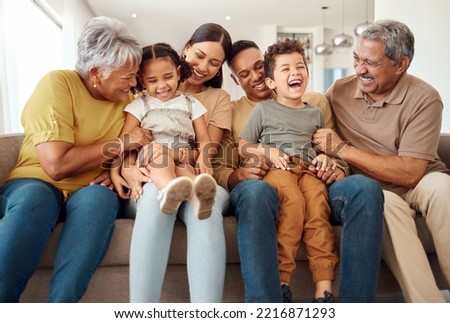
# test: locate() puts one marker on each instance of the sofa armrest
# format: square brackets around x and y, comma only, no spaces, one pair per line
[444,148]
[9,151]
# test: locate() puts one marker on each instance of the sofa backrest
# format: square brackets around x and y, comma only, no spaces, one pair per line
[10,145]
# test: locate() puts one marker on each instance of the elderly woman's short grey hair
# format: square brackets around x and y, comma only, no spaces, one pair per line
[107,44]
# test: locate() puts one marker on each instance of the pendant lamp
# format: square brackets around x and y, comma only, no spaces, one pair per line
[324,48]
[362,26]
[342,40]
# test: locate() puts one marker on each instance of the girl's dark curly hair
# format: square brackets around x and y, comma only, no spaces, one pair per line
[287,46]
[161,50]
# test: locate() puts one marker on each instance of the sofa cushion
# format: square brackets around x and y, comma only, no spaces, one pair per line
[110,281]
[118,252]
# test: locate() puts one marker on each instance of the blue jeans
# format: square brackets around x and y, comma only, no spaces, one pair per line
[357,204]
[150,246]
[29,210]
[255,205]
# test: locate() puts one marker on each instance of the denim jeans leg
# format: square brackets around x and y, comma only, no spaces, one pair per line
[255,205]
[357,204]
[90,215]
[29,209]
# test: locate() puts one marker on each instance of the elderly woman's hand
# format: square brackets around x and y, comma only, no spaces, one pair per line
[136,138]
[135,177]
[103,179]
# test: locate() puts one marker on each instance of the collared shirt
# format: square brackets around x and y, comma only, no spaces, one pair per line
[407,123]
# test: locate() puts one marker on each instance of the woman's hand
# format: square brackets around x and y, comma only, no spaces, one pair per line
[121,186]
[136,138]
[203,165]
[135,176]
[103,179]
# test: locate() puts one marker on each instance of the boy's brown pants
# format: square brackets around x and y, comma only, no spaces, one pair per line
[304,215]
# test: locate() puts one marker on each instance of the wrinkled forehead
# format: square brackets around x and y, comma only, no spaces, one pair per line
[370,49]
[129,68]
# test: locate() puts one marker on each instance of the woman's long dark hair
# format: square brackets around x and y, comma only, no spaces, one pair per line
[214,33]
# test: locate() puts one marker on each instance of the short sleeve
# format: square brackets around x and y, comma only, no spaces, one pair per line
[198,109]
[136,108]
[218,104]
[252,130]
[48,115]
[321,101]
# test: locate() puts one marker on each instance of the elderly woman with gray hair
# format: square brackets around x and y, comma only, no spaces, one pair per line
[72,123]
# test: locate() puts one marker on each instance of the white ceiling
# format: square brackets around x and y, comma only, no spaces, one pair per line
[174,21]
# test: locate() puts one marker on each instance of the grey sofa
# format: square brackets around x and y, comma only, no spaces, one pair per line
[110,281]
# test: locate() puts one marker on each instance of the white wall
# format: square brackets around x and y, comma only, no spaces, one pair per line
[342,57]
[75,14]
[430,22]
[3,112]
[19,74]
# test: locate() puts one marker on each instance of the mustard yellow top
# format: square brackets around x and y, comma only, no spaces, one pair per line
[62,109]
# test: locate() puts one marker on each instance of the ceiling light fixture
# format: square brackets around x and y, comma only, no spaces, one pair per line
[324,48]
[342,40]
[362,26]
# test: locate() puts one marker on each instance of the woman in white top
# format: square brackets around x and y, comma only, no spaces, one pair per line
[206,51]
[176,121]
